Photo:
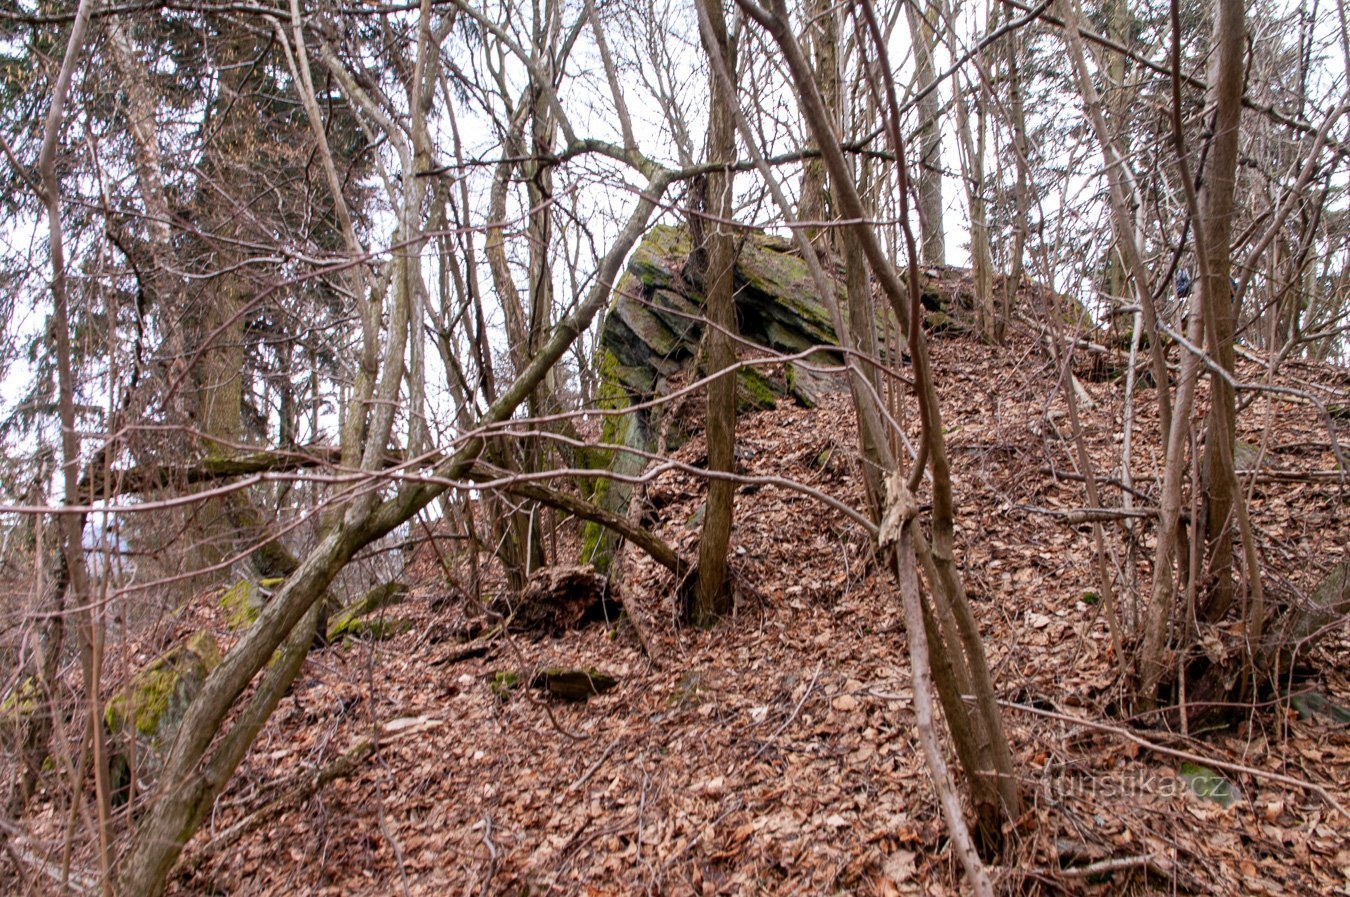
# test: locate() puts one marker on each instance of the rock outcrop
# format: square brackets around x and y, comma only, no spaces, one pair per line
[652,337]
[653,332]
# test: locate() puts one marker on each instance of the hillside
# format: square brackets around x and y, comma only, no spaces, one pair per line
[776,754]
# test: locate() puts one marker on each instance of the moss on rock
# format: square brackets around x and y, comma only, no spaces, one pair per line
[21,701]
[242,601]
[756,392]
[154,701]
[354,619]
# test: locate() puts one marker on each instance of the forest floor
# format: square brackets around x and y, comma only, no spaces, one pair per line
[776,754]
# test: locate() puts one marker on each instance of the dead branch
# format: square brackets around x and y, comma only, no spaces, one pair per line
[306,785]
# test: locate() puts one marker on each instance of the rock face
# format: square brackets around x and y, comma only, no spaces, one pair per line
[653,329]
[653,332]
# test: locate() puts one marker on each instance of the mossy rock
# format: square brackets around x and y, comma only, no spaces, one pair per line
[1328,601]
[756,392]
[157,696]
[22,701]
[806,386]
[653,333]
[151,707]
[654,330]
[18,708]
[355,618]
[376,630]
[628,430]
[651,261]
[1209,785]
[242,601]
[573,684]
[1311,705]
[695,520]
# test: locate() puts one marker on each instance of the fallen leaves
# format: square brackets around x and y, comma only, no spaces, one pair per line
[773,755]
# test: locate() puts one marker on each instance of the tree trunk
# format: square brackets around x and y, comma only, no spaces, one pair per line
[1216,224]
[822,42]
[921,28]
[711,597]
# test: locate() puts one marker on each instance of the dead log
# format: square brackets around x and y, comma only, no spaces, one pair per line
[557,599]
[573,685]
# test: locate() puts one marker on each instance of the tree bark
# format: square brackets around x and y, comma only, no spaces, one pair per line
[711,597]
[921,29]
[1216,225]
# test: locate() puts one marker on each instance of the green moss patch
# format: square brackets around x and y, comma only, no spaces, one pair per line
[242,601]
[153,703]
[354,619]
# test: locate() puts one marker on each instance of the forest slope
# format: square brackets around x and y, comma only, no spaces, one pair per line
[776,753]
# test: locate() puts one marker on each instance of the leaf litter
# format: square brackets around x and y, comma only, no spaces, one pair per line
[776,754]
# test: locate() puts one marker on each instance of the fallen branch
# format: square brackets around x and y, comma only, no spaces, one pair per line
[1116,864]
[1294,476]
[1090,515]
[310,782]
[106,483]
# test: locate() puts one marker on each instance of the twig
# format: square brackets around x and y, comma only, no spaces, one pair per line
[398,850]
[591,770]
[492,856]
[642,809]
[477,648]
[795,710]
[736,804]
[897,541]
[1295,476]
